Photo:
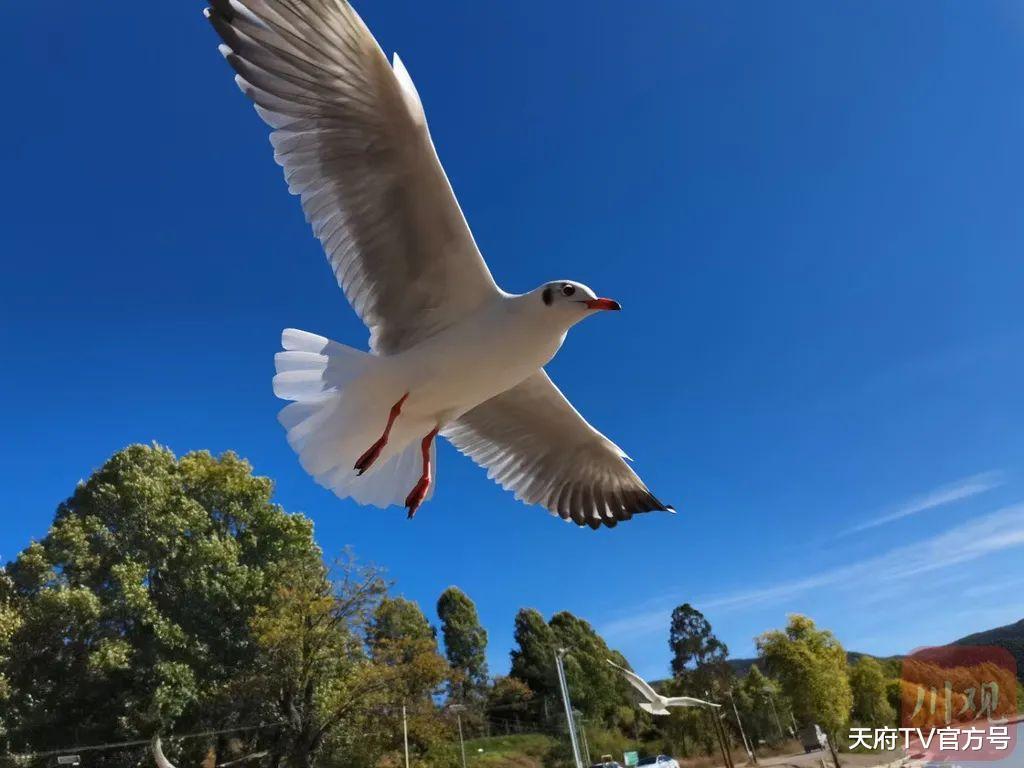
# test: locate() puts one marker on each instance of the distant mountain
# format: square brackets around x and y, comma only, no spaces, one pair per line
[742,666]
[1010,637]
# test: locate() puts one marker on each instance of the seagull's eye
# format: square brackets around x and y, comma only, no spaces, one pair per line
[568,290]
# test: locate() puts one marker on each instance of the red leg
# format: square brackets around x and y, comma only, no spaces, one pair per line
[373,452]
[419,491]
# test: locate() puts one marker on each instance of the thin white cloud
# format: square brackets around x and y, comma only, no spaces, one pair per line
[989,534]
[946,494]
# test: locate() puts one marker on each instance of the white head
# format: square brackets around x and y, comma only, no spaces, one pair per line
[570,301]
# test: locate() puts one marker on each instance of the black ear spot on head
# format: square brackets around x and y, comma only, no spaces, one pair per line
[546,295]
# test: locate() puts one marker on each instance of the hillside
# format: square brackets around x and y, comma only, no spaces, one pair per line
[1010,637]
[742,666]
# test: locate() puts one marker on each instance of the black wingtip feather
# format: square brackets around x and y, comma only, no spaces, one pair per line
[222,8]
[223,28]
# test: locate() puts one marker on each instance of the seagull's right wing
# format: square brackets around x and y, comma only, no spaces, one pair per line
[535,444]
[156,747]
[639,683]
[352,137]
[689,701]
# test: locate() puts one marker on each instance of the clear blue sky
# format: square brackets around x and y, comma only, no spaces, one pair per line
[810,211]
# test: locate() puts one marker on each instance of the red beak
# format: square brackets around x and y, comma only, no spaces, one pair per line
[603,304]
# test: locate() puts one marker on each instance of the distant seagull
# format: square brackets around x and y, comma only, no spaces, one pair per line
[450,352]
[157,749]
[657,704]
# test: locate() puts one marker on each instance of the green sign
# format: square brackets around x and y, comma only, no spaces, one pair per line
[630,758]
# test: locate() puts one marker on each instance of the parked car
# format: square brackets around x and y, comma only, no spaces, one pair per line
[812,738]
[658,761]
[607,764]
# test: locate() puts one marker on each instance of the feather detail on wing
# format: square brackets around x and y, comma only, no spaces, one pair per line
[640,684]
[535,444]
[350,132]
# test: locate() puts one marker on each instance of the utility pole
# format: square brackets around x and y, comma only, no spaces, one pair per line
[771,700]
[719,732]
[746,744]
[457,709]
[726,742]
[405,735]
[569,720]
[716,728]
[583,735]
[832,749]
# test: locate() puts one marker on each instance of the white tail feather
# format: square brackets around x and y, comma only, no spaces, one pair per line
[337,413]
[652,709]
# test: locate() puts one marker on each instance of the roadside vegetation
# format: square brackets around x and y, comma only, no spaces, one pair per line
[171,597]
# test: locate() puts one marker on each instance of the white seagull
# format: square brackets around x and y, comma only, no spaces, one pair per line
[450,352]
[657,704]
[156,747]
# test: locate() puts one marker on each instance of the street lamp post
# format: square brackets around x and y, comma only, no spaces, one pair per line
[405,735]
[778,723]
[457,709]
[569,719]
[719,732]
[743,734]
[582,731]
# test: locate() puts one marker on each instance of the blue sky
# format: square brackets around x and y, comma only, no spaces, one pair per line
[811,213]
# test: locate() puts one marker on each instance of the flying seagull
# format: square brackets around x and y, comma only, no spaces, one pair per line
[156,747]
[451,354]
[657,704]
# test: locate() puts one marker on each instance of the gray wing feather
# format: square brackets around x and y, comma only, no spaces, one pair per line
[535,444]
[689,701]
[638,682]
[352,138]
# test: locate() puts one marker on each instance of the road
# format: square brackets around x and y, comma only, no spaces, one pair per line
[813,760]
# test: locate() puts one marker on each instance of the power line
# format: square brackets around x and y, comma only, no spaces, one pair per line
[138,742]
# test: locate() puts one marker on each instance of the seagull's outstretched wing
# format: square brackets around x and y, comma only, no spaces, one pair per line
[157,748]
[688,701]
[535,444]
[351,135]
[639,683]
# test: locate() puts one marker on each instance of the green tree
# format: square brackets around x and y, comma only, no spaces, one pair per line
[764,709]
[810,665]
[869,687]
[698,656]
[136,608]
[509,699]
[465,644]
[403,641]
[10,621]
[313,670]
[597,688]
[533,658]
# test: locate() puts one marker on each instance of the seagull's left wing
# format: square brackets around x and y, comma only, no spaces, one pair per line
[689,701]
[156,747]
[638,682]
[535,444]
[351,135]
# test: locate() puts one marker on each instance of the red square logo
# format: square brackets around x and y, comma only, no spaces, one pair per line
[959,703]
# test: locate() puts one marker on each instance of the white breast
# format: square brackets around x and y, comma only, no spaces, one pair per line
[475,360]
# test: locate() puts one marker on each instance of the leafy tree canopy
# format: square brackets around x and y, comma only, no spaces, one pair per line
[533,657]
[465,643]
[810,665]
[869,686]
[597,689]
[135,609]
[698,657]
